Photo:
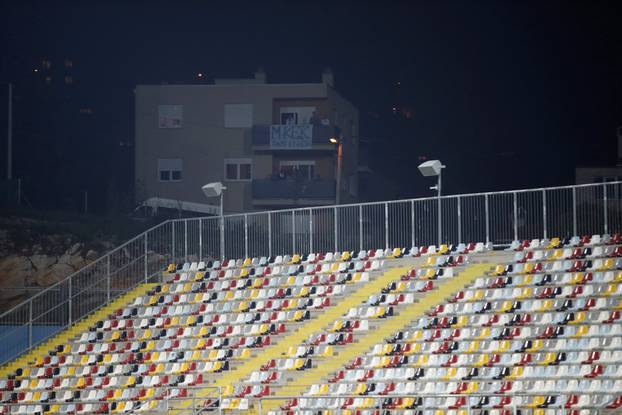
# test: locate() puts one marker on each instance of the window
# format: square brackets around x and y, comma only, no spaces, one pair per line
[298,115]
[169,170]
[238,115]
[170,116]
[238,169]
[300,169]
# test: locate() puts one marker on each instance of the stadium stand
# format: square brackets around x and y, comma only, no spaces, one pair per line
[531,328]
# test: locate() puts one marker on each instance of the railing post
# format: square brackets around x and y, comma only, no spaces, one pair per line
[146,263]
[386,226]
[459,222]
[245,235]
[574,211]
[200,240]
[293,232]
[174,258]
[544,213]
[185,239]
[412,223]
[487,218]
[310,230]
[336,223]
[269,234]
[515,197]
[69,302]
[30,324]
[606,222]
[108,278]
[222,236]
[360,227]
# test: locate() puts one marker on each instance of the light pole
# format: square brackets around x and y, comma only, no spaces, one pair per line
[434,168]
[339,143]
[9,136]
[216,189]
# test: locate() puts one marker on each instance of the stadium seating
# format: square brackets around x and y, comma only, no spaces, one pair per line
[546,319]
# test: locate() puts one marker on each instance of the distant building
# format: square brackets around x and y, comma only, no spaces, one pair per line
[268,143]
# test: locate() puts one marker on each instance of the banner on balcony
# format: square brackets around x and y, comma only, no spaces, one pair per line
[291,136]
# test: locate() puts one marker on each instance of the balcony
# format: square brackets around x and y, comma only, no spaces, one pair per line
[292,137]
[290,192]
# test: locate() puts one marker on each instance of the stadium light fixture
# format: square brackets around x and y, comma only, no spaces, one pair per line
[216,189]
[434,168]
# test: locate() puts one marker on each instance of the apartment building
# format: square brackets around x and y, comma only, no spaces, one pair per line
[268,143]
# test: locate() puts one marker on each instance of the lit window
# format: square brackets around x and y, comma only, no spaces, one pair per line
[170,170]
[68,63]
[68,80]
[238,169]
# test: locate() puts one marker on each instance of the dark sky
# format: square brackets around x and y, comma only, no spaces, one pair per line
[508,94]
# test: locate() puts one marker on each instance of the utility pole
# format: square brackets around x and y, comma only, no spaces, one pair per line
[9,144]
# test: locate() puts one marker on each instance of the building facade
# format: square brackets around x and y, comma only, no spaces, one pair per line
[268,143]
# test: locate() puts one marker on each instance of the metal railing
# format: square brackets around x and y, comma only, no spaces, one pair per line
[470,405]
[495,217]
[198,400]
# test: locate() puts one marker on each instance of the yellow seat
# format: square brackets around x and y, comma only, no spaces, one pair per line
[483,334]
[462,321]
[504,346]
[107,358]
[53,409]
[190,320]
[228,296]
[618,277]
[546,305]
[472,388]
[422,360]
[257,283]
[242,307]
[527,280]
[482,360]
[397,252]
[607,265]
[526,292]
[473,347]
[443,249]
[345,255]
[499,269]
[528,267]
[80,383]
[171,268]
[450,373]
[337,325]
[71,371]
[361,389]
[244,273]
[553,243]
[579,317]
[612,289]
[478,295]
[247,262]
[430,262]
[131,381]
[245,354]
[414,336]
[227,391]
[581,331]
[548,358]
[536,402]
[295,259]
[517,372]
[304,292]
[198,275]
[334,267]
[535,346]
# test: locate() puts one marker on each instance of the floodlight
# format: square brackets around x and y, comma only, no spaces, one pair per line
[431,168]
[213,189]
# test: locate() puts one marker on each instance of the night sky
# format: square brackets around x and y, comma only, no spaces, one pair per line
[508,94]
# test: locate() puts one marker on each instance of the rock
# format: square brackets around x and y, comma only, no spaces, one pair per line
[15,271]
[91,255]
[41,262]
[74,249]
[54,274]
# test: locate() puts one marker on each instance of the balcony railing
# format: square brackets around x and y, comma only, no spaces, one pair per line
[292,137]
[289,189]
